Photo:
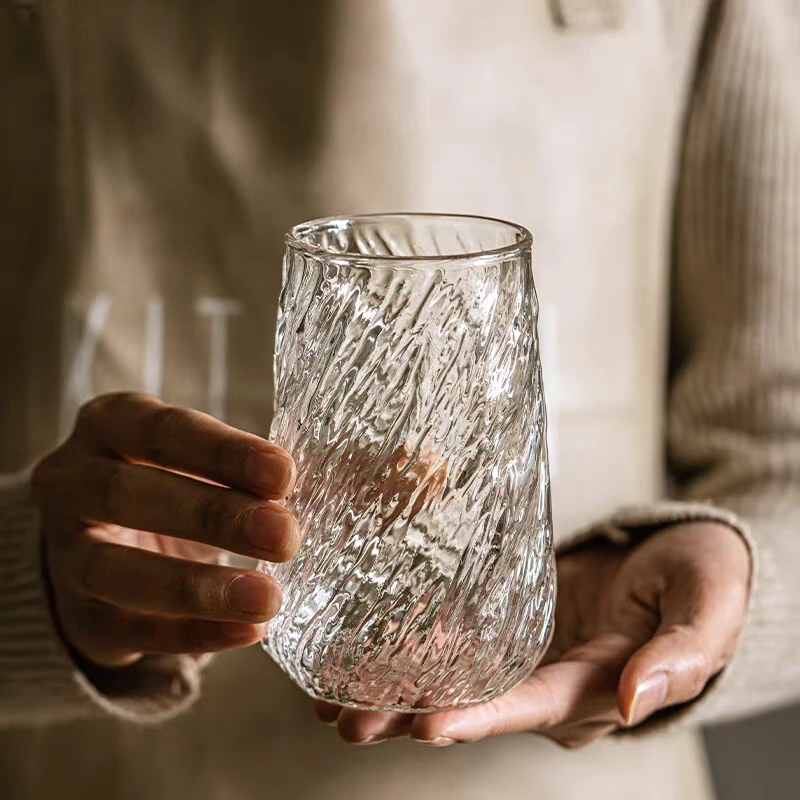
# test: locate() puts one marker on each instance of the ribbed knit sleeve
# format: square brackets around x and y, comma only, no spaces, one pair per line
[733,430]
[39,682]
[734,410]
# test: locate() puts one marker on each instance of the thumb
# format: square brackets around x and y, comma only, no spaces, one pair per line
[695,640]
[672,668]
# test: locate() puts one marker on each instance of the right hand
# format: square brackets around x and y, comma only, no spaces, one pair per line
[131,541]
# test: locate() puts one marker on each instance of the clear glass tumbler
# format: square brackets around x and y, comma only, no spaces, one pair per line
[408,389]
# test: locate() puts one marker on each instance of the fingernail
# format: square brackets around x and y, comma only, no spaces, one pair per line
[372,740]
[271,473]
[250,594]
[650,695]
[275,532]
[439,741]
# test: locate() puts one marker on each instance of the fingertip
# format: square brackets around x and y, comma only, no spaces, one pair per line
[292,482]
[367,727]
[672,668]
[271,472]
[644,684]
[274,533]
[254,594]
[290,541]
[350,728]
[275,599]
[241,634]
[425,728]
[435,729]
[649,696]
[327,713]
[626,689]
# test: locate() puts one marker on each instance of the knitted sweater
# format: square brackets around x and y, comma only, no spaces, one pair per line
[155,154]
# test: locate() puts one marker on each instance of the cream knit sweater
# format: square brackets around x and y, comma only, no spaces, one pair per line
[732,424]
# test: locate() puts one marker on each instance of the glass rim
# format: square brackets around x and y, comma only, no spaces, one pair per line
[515,249]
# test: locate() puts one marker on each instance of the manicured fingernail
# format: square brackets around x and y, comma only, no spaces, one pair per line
[372,740]
[272,473]
[650,695]
[251,594]
[273,531]
[439,741]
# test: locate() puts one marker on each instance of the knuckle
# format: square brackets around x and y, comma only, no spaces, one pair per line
[215,517]
[110,490]
[93,569]
[163,424]
[192,592]
[104,407]
[88,414]
[130,398]
[52,476]
[228,459]
[94,410]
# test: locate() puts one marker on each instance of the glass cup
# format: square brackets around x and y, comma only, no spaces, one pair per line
[409,390]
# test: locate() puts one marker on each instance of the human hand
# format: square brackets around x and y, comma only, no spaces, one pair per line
[637,629]
[130,540]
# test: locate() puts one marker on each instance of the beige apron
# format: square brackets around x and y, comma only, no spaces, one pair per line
[190,136]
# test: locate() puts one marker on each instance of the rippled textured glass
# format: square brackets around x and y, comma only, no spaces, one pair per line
[409,391]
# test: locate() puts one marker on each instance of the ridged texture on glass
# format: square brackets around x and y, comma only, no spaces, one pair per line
[411,399]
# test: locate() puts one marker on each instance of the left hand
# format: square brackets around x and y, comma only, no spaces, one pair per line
[638,629]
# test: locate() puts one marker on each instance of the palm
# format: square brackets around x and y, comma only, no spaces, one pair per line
[604,614]
[670,606]
[605,610]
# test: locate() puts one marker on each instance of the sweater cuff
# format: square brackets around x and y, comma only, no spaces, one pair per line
[39,681]
[630,525]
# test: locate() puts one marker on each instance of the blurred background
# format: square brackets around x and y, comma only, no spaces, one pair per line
[758,758]
[751,760]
